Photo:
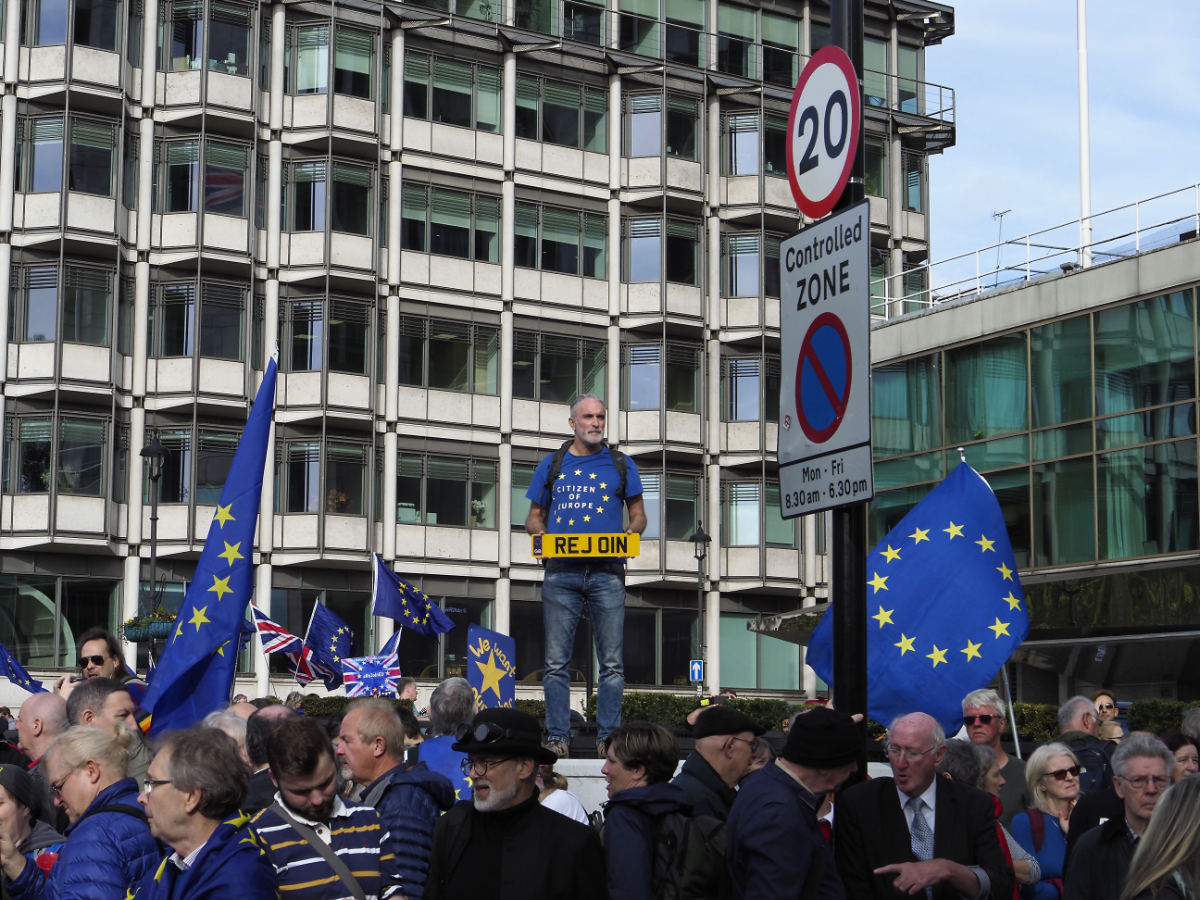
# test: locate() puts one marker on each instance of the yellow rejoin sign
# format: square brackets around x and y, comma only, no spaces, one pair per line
[545,546]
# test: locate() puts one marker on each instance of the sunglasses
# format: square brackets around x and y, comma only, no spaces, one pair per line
[1104,705]
[96,660]
[982,720]
[1061,774]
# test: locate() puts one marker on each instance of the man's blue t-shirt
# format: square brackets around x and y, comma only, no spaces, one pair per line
[584,499]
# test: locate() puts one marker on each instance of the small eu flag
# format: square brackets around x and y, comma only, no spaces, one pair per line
[15,672]
[945,605]
[195,672]
[330,640]
[394,598]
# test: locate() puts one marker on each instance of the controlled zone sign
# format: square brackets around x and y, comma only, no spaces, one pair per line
[824,395]
[823,126]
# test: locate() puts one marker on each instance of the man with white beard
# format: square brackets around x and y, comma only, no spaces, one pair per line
[502,843]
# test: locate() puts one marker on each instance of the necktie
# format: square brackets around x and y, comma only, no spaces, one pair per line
[922,836]
[826,829]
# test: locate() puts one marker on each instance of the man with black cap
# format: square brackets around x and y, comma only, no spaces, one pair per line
[502,843]
[773,845]
[725,743]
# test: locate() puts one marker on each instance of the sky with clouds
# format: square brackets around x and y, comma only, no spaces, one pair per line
[1013,67]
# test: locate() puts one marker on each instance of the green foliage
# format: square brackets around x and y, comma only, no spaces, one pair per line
[1036,722]
[672,710]
[335,707]
[1157,716]
[536,708]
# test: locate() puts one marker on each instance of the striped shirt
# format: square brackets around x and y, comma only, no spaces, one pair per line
[356,836]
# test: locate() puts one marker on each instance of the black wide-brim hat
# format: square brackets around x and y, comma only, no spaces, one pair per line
[504,732]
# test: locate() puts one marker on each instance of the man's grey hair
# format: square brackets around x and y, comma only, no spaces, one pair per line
[581,398]
[962,762]
[1141,745]
[985,698]
[1074,709]
[451,704]
[1191,723]
[230,723]
[205,758]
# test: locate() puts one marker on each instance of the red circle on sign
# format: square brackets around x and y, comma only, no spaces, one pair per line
[820,103]
[837,401]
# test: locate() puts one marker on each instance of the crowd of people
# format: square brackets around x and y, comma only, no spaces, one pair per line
[262,801]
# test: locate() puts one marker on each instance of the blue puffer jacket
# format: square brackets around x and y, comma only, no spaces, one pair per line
[631,821]
[106,853]
[409,808]
[231,864]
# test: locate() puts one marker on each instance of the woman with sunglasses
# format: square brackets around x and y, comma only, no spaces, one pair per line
[1052,778]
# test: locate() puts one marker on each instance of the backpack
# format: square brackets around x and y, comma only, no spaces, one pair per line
[689,857]
[1096,768]
[560,454]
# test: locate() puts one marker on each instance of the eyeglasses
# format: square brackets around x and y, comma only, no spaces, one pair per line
[982,720]
[149,784]
[96,660]
[1141,782]
[57,786]
[754,743]
[1061,774]
[1106,706]
[910,755]
[481,766]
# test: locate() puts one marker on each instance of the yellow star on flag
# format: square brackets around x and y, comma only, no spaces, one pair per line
[1001,628]
[921,534]
[1005,572]
[579,471]
[603,485]
[587,518]
[231,554]
[954,530]
[972,650]
[891,553]
[905,644]
[221,648]
[220,587]
[562,476]
[938,655]
[223,515]
[985,545]
[604,498]
[879,582]
[884,617]
[492,674]
[570,521]
[592,476]
[599,510]
[1013,602]
[199,618]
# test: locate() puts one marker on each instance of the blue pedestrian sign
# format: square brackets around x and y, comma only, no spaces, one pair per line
[696,668]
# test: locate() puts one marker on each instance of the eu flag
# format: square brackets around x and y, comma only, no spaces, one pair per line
[15,672]
[394,598]
[946,608]
[330,640]
[195,672]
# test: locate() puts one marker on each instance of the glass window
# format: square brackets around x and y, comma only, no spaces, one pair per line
[349,336]
[643,372]
[444,490]
[300,478]
[683,252]
[304,336]
[175,315]
[742,264]
[1147,500]
[986,389]
[182,182]
[780,38]
[528,94]
[96,23]
[908,59]
[225,168]
[1060,361]
[31,455]
[681,506]
[560,113]
[87,297]
[518,506]
[875,71]
[44,155]
[458,93]
[229,41]
[683,378]
[643,256]
[685,32]
[775,147]
[742,144]
[452,86]
[416,85]
[222,314]
[742,383]
[129,186]
[487,229]
[1064,530]
[569,114]
[308,196]
[183,45]
[350,203]
[914,180]
[450,223]
[45,23]
[905,399]
[683,123]
[81,457]
[175,477]
[639,28]
[741,510]
[214,456]
[345,479]
[557,369]
[353,56]
[33,313]
[1145,354]
[311,59]
[737,29]
[877,179]
[644,125]
[780,532]
[582,21]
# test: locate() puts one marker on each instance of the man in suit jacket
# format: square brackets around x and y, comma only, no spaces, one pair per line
[952,853]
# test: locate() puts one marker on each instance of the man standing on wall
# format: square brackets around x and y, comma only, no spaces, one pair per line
[582,489]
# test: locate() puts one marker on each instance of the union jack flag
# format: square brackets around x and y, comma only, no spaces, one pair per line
[275,638]
[370,676]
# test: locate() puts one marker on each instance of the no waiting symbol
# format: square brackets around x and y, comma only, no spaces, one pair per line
[823,378]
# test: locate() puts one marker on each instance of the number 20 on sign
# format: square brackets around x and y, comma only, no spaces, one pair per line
[823,126]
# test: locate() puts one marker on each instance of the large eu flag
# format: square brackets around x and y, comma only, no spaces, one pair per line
[945,605]
[330,640]
[394,598]
[195,671]
[15,672]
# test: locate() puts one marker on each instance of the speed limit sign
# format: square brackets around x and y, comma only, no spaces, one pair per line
[823,126]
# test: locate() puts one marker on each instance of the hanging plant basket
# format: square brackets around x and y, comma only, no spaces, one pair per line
[138,633]
[159,629]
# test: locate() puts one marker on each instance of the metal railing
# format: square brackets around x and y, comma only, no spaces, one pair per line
[1117,233]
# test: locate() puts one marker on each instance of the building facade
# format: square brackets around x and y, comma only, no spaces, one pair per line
[451,218]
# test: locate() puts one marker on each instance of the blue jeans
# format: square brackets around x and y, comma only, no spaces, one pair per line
[568,588]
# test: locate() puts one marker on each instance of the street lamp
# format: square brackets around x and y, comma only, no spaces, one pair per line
[155,456]
[700,540]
